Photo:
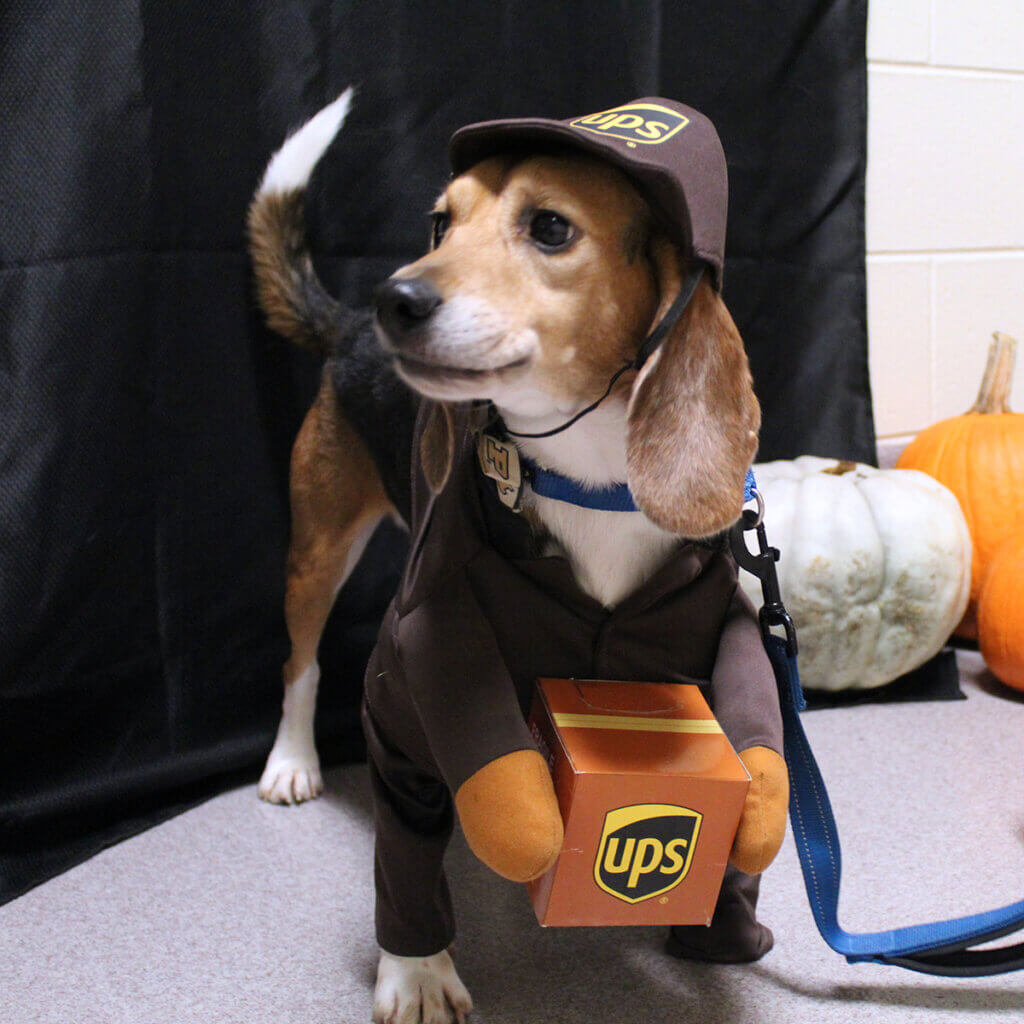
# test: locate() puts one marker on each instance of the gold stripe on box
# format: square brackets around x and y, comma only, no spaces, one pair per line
[636,723]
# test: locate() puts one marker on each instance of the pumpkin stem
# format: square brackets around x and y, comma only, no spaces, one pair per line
[997,381]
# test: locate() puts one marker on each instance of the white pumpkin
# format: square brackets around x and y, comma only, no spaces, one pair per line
[875,567]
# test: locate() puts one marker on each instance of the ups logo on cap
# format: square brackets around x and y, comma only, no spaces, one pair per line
[645,850]
[636,122]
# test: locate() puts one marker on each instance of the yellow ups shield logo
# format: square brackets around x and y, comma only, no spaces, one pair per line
[645,850]
[646,123]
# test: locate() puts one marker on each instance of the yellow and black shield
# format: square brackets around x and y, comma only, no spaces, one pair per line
[645,850]
[646,123]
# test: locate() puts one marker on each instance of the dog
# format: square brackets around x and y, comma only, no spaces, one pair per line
[548,271]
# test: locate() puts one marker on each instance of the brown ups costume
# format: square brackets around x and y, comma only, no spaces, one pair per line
[480,615]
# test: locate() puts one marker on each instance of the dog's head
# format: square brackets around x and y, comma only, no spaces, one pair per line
[546,273]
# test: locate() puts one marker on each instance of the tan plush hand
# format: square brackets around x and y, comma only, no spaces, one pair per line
[763,823]
[510,815]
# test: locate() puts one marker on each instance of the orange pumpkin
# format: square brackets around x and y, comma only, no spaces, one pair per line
[979,456]
[1000,626]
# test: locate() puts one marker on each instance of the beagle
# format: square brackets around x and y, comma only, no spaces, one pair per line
[547,270]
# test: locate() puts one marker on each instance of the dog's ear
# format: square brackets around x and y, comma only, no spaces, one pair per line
[693,417]
[437,446]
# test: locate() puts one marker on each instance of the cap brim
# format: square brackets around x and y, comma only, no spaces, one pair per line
[476,142]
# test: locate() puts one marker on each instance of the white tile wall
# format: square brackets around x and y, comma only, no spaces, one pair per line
[972,298]
[900,347]
[945,201]
[945,161]
[899,30]
[977,33]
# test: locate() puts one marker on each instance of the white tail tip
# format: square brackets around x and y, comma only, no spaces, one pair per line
[291,166]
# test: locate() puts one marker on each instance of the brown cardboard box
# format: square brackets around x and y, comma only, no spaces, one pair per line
[651,794]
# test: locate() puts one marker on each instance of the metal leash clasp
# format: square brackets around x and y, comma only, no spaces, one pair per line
[762,565]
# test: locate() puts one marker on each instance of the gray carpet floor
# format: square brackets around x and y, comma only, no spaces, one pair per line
[242,912]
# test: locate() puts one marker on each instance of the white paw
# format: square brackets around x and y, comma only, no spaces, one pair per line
[291,777]
[292,774]
[419,990]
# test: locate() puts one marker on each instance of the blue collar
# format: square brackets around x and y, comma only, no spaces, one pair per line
[613,498]
[548,484]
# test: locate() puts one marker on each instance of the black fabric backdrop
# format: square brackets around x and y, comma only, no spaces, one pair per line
[147,413]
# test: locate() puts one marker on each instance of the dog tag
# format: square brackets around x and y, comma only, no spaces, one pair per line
[499,461]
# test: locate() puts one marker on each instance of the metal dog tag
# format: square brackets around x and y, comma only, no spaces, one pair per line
[499,461]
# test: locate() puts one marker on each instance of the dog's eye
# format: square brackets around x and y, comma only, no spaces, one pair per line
[550,230]
[439,224]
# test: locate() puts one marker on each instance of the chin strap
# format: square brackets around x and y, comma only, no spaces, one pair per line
[672,314]
[651,342]
[942,947]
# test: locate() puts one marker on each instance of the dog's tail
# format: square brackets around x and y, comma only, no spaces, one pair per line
[293,299]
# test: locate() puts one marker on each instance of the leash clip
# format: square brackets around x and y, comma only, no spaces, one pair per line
[762,565]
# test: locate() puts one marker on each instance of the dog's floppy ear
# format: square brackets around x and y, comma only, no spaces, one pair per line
[693,417]
[437,446]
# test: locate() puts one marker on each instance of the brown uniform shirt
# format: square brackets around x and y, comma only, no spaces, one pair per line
[479,616]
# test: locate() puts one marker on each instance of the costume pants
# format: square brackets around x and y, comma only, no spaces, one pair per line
[414,815]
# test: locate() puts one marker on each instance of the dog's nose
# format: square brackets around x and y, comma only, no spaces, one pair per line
[405,302]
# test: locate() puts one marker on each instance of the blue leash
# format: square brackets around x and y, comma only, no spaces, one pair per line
[942,947]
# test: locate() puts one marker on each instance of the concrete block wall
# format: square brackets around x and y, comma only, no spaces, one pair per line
[945,203]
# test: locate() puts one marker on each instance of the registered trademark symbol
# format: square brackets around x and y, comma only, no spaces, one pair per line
[664,899]
[631,145]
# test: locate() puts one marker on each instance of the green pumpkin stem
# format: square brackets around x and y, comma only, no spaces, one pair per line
[994,393]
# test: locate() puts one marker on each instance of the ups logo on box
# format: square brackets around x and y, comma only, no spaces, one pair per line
[636,122]
[645,850]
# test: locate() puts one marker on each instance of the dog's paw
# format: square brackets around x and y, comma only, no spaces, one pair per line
[419,990]
[291,777]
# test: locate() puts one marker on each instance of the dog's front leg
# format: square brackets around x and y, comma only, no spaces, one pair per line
[415,989]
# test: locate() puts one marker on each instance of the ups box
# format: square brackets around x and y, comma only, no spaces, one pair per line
[651,794]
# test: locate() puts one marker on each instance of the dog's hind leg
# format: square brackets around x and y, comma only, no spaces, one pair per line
[337,501]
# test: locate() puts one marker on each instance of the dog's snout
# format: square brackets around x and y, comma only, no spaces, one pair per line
[405,302]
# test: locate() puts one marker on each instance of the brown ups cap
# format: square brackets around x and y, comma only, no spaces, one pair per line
[671,151]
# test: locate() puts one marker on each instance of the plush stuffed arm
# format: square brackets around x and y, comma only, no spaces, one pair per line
[763,824]
[746,704]
[477,733]
[510,817]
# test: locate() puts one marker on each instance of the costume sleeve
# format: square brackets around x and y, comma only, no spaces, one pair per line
[457,679]
[746,701]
